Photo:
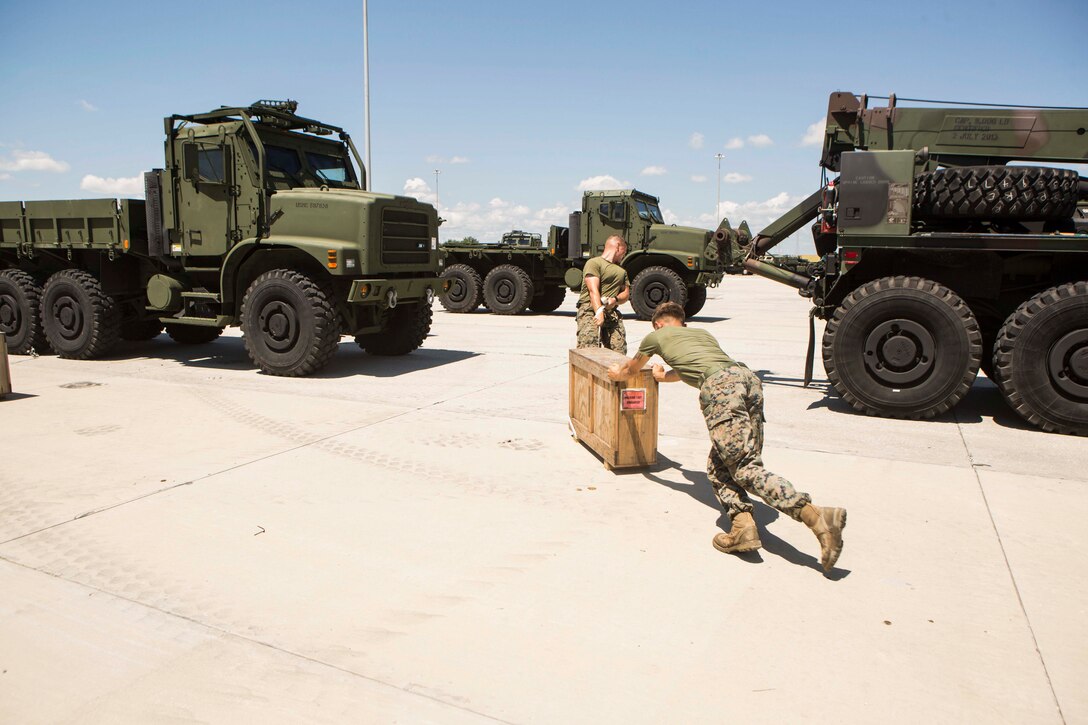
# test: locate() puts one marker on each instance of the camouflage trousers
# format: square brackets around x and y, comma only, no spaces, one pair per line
[611,334]
[732,402]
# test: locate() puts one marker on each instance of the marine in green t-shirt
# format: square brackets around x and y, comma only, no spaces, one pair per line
[731,398]
[693,353]
[604,288]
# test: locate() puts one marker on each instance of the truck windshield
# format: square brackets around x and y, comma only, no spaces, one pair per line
[332,169]
[650,212]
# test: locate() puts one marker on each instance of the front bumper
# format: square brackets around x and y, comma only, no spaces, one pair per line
[379,291]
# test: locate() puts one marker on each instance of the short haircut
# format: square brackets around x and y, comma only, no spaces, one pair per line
[668,309]
[616,237]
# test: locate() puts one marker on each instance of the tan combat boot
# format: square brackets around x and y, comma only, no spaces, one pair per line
[827,524]
[742,536]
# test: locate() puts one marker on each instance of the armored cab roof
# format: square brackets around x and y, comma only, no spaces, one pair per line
[277,114]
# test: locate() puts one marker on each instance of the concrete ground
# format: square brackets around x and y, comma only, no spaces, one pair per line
[419,540]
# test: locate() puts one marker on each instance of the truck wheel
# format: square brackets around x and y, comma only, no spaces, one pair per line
[1022,193]
[507,289]
[902,347]
[81,321]
[404,331]
[20,313]
[289,325]
[464,291]
[548,300]
[653,286]
[696,300]
[1041,359]
[192,334]
[140,330]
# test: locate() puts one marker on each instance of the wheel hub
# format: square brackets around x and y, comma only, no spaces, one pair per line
[1067,362]
[280,326]
[899,352]
[504,291]
[69,316]
[656,294]
[458,291]
[9,314]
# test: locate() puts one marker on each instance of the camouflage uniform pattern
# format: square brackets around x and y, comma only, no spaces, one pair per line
[611,334]
[732,402]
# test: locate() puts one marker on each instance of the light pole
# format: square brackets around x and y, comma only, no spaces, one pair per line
[436,173]
[366,100]
[717,207]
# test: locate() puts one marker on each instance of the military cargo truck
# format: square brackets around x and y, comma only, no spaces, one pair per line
[939,256]
[256,219]
[664,261]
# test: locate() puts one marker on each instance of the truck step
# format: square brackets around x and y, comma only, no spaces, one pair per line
[220,321]
[213,296]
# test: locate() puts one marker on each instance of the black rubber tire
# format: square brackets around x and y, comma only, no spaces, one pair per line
[20,313]
[192,334]
[653,286]
[1023,193]
[81,321]
[902,347]
[507,289]
[696,300]
[466,289]
[140,330]
[549,299]
[1041,359]
[289,324]
[406,326]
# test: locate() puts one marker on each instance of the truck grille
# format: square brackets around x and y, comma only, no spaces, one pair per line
[406,237]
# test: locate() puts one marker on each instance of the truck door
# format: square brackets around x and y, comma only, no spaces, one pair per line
[206,198]
[611,218]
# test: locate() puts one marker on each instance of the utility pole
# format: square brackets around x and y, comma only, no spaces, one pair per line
[366,99]
[436,173]
[717,207]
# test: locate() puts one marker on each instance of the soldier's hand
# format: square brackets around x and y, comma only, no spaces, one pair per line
[598,319]
[659,373]
[615,372]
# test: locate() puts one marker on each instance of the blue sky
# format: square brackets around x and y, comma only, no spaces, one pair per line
[521,106]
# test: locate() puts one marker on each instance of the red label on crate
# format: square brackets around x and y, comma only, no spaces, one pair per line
[633,399]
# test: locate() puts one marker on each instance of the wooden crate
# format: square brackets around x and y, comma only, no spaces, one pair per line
[601,411]
[5,371]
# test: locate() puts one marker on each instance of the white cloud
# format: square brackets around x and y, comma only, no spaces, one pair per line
[5,177]
[32,161]
[814,135]
[698,178]
[87,105]
[132,186]
[734,178]
[489,221]
[696,140]
[654,171]
[760,140]
[459,160]
[603,181]
[734,143]
[758,214]
[420,189]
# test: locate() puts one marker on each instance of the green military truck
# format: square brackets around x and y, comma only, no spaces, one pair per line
[257,220]
[938,257]
[664,261]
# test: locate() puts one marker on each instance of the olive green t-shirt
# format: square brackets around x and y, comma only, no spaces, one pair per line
[613,278]
[691,352]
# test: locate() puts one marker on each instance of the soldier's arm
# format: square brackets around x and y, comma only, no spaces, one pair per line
[623,371]
[623,296]
[665,377]
[593,284]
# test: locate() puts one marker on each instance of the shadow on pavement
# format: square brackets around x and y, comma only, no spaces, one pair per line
[15,396]
[229,353]
[700,489]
